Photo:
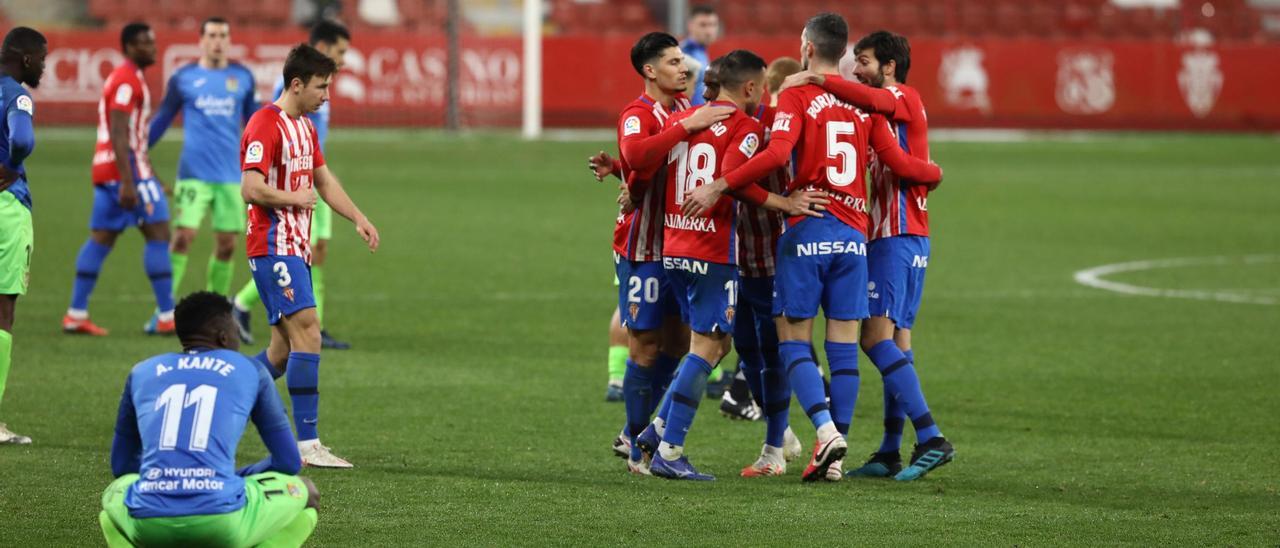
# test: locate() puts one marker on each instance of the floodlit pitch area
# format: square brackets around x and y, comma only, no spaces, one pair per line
[472,405]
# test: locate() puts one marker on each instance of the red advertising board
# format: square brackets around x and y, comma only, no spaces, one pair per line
[400,80]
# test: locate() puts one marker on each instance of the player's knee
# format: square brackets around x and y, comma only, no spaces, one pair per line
[313,493]
[644,347]
[224,251]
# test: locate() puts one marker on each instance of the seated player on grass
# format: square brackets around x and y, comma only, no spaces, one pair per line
[181,416]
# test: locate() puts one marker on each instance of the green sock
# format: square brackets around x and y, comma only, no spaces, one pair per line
[248,297]
[317,289]
[296,532]
[618,362]
[716,374]
[219,276]
[6,346]
[177,262]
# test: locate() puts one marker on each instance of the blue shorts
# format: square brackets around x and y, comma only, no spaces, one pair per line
[645,297]
[896,268]
[284,282]
[754,327]
[821,262]
[707,293]
[108,215]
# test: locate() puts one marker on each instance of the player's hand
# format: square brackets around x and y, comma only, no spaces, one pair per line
[933,186]
[8,177]
[624,199]
[601,165]
[705,116]
[807,202]
[305,199]
[802,78]
[699,201]
[368,233]
[128,195]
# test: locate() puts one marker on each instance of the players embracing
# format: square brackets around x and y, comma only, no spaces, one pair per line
[822,262]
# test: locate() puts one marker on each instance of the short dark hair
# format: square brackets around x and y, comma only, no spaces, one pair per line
[131,32]
[650,47]
[889,47]
[701,9]
[304,62]
[731,71]
[328,32]
[201,313]
[22,41]
[215,20]
[829,34]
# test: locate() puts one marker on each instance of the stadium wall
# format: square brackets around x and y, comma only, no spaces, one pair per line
[399,80]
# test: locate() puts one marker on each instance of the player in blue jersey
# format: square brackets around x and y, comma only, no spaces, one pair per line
[333,40]
[181,417]
[215,98]
[21,62]
[703,29]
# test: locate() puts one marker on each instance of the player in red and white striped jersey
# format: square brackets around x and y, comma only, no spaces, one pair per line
[283,169]
[126,192]
[648,308]
[898,252]
[755,337]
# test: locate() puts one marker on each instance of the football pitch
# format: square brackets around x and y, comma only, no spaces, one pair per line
[472,404]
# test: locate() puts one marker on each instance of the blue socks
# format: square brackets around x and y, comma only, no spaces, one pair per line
[777,399]
[302,375]
[894,418]
[155,259]
[751,367]
[88,265]
[843,358]
[664,371]
[806,380]
[637,397]
[900,380]
[261,358]
[686,392]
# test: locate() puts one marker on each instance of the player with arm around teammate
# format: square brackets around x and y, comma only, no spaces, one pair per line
[700,254]
[822,262]
[898,252]
[181,416]
[283,169]
[649,311]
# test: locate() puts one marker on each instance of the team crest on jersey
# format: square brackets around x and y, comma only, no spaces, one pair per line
[294,491]
[288,293]
[728,314]
[634,310]
[25,105]
[233,85]
[253,153]
[631,126]
[749,145]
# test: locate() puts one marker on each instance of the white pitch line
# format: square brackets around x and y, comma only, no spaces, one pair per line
[1093,277]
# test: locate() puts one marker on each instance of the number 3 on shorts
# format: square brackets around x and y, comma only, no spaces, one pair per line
[282,270]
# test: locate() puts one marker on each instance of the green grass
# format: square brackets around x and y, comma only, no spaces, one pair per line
[472,403]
